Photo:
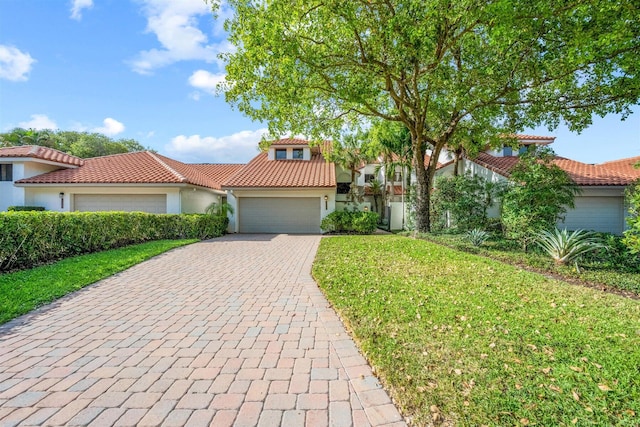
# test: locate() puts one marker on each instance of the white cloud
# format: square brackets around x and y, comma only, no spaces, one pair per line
[38,122]
[175,24]
[206,81]
[111,127]
[14,64]
[239,147]
[77,6]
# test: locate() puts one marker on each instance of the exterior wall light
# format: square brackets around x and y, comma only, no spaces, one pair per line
[61,200]
[326,202]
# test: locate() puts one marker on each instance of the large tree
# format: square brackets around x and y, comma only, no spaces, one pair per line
[80,144]
[451,71]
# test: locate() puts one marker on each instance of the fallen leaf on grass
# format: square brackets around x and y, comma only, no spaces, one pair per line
[555,388]
[576,396]
[575,368]
[604,387]
[546,370]
[524,421]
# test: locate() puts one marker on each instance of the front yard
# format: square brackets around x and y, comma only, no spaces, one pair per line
[458,339]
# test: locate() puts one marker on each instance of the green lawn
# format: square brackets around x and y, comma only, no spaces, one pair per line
[612,268]
[471,341]
[22,291]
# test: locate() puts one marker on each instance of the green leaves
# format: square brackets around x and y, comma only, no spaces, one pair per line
[565,247]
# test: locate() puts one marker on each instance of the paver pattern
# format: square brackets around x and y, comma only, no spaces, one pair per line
[228,332]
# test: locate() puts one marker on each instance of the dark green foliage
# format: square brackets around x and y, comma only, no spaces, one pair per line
[632,235]
[460,203]
[31,238]
[80,144]
[24,208]
[539,196]
[350,222]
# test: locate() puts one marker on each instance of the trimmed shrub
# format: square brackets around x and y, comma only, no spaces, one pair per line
[350,222]
[31,238]
[25,208]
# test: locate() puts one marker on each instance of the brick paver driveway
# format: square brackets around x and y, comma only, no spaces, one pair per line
[232,331]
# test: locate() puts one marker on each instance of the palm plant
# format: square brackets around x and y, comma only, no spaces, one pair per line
[477,236]
[221,209]
[565,247]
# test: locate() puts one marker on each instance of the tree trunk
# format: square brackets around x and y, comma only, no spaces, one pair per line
[425,177]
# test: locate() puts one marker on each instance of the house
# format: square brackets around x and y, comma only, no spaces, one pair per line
[141,181]
[287,189]
[600,206]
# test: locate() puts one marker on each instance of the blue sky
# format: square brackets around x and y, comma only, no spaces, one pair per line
[147,69]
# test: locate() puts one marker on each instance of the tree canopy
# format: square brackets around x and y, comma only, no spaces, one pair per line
[80,144]
[454,73]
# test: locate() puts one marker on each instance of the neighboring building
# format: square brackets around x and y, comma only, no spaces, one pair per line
[141,181]
[600,206]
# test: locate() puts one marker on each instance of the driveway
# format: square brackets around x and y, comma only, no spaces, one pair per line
[232,331]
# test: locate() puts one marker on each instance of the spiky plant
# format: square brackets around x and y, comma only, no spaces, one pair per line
[477,236]
[565,247]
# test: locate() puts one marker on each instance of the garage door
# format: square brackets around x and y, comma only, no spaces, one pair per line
[152,203]
[279,215]
[604,214]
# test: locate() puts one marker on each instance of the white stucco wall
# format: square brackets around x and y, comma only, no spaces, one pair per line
[196,200]
[49,197]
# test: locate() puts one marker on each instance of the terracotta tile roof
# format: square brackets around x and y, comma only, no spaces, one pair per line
[397,190]
[521,137]
[614,173]
[265,173]
[289,141]
[625,166]
[142,167]
[217,172]
[42,153]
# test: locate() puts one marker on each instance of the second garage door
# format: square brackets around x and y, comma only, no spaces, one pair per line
[605,214]
[279,215]
[152,203]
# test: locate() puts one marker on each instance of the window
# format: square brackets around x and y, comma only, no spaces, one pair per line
[397,177]
[507,151]
[368,177]
[6,172]
[298,153]
[281,154]
[343,187]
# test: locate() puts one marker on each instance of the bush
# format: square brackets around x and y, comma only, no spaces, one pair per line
[25,208]
[31,238]
[350,222]
[538,197]
[476,237]
[632,235]
[460,203]
[565,247]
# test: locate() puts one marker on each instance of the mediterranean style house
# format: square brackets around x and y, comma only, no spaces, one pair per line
[289,188]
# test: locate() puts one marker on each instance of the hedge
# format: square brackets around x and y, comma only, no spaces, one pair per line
[31,238]
[25,208]
[350,222]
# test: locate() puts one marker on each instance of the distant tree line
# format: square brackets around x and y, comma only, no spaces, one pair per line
[80,144]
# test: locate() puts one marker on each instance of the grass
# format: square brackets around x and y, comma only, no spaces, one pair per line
[22,291]
[612,268]
[460,339]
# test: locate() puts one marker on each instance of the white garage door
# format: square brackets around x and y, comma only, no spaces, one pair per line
[152,203]
[604,214]
[279,215]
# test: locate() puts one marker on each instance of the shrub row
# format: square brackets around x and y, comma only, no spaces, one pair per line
[31,238]
[25,208]
[350,222]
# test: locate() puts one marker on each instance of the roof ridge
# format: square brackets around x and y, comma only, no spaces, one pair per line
[181,177]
